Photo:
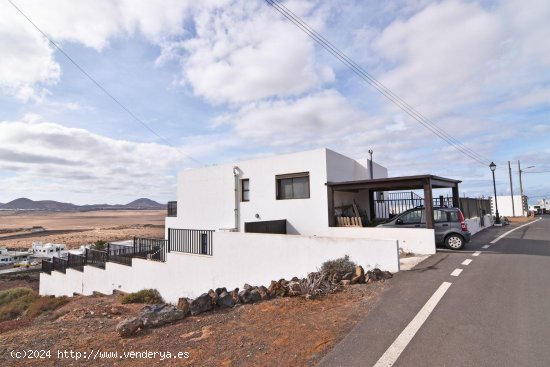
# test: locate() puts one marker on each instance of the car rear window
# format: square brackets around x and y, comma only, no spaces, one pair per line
[454,216]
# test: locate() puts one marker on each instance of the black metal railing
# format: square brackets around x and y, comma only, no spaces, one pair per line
[400,202]
[191,241]
[59,264]
[150,248]
[76,262]
[96,258]
[47,266]
[120,254]
[172,209]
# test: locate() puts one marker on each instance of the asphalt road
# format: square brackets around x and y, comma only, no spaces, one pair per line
[496,312]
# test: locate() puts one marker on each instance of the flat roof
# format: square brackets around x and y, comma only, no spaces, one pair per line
[395,183]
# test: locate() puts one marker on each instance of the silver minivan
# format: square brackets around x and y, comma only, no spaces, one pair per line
[449,225]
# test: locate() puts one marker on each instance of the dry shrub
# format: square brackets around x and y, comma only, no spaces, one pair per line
[341,266]
[45,304]
[15,301]
[150,296]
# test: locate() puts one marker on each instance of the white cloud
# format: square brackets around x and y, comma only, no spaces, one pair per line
[244,52]
[314,119]
[76,160]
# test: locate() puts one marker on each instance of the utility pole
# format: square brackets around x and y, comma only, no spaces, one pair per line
[511,189]
[370,165]
[521,191]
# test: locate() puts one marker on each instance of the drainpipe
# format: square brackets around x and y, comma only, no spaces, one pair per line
[236,175]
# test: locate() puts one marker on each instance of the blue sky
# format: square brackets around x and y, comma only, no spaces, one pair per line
[227,80]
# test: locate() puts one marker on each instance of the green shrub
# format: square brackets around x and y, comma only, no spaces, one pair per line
[15,301]
[144,296]
[341,266]
[45,304]
[99,245]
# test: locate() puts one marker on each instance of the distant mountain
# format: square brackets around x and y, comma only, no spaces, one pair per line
[144,203]
[50,205]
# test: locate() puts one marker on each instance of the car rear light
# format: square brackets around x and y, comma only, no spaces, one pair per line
[463,225]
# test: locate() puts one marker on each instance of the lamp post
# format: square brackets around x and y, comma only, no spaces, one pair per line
[493,167]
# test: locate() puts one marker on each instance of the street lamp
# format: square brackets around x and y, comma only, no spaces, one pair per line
[493,167]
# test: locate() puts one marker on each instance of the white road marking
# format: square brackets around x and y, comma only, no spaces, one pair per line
[512,230]
[477,253]
[456,272]
[399,345]
[486,246]
[467,262]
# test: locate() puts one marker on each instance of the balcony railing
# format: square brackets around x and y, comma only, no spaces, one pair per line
[59,264]
[47,266]
[191,241]
[76,262]
[96,258]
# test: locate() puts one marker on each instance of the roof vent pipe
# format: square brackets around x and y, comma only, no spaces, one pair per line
[236,173]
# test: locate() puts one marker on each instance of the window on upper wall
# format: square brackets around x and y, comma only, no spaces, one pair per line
[245,189]
[292,186]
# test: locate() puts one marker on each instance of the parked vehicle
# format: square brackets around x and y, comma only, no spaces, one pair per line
[449,225]
[22,264]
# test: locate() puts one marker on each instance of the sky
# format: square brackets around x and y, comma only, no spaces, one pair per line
[219,81]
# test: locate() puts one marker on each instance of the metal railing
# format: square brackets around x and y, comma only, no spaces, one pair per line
[172,209]
[47,266]
[59,264]
[191,241]
[96,258]
[120,254]
[76,262]
[150,248]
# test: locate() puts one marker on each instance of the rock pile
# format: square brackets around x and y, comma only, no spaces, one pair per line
[317,284]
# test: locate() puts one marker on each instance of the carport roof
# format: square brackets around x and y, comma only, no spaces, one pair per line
[395,183]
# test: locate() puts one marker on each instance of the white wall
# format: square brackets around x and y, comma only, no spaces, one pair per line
[474,224]
[416,240]
[238,258]
[505,206]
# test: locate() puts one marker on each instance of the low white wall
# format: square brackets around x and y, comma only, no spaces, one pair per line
[474,224]
[416,240]
[238,258]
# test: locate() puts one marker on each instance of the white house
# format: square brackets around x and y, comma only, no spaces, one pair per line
[286,200]
[47,250]
[289,187]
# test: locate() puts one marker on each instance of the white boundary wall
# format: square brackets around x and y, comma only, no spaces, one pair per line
[419,241]
[238,258]
[474,224]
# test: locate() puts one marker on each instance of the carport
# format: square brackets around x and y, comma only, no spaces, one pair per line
[421,182]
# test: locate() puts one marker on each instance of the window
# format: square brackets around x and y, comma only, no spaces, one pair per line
[245,189]
[293,186]
[413,217]
[454,216]
[440,216]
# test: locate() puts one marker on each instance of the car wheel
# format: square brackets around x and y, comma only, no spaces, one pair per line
[454,241]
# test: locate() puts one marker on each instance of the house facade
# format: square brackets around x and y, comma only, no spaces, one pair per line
[289,187]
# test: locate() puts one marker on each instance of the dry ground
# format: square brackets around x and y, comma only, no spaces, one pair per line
[279,332]
[77,228]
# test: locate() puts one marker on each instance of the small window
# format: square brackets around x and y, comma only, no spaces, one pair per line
[245,189]
[293,186]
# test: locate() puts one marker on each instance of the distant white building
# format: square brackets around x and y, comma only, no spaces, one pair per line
[12,257]
[47,250]
[505,208]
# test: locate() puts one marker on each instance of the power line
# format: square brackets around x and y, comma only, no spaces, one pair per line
[97,84]
[386,92]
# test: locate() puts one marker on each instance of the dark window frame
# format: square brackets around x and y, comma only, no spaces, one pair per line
[291,176]
[243,190]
